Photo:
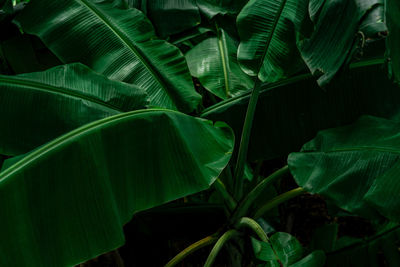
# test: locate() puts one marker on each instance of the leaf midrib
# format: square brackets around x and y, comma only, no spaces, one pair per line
[223,54]
[53,89]
[65,138]
[127,43]
[274,26]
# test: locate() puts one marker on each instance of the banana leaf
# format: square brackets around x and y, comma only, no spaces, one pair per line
[37,107]
[119,43]
[283,249]
[356,167]
[370,251]
[291,112]
[211,8]
[392,8]
[330,45]
[67,201]
[214,63]
[268,31]
[169,16]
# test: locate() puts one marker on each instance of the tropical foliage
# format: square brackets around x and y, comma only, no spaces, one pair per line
[156,131]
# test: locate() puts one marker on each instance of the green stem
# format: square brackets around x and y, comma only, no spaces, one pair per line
[278,200]
[245,138]
[253,225]
[228,235]
[245,204]
[191,249]
[231,202]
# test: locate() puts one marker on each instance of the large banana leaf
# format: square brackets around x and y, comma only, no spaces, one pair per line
[117,42]
[214,62]
[291,112]
[67,201]
[169,16]
[267,30]
[211,8]
[330,45]
[393,22]
[356,167]
[37,107]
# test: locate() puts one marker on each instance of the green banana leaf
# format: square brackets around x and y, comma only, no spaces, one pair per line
[267,30]
[330,45]
[169,16]
[356,167]
[373,25]
[119,43]
[314,8]
[392,8]
[214,63]
[291,112]
[100,175]
[211,8]
[37,107]
[370,251]
[283,249]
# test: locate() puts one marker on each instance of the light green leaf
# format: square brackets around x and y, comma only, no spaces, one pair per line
[330,45]
[119,43]
[267,32]
[100,175]
[37,107]
[356,167]
[392,8]
[214,62]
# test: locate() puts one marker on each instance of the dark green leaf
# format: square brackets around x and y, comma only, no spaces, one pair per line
[327,50]
[119,43]
[291,112]
[355,166]
[169,16]
[324,237]
[211,8]
[392,8]
[214,62]
[314,259]
[268,39]
[100,175]
[37,107]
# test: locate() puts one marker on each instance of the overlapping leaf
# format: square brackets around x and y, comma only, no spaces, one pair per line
[335,34]
[211,8]
[169,16]
[37,107]
[214,62]
[267,32]
[114,41]
[291,112]
[393,41]
[356,167]
[100,175]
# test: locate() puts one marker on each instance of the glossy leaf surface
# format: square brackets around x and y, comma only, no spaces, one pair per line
[119,43]
[356,167]
[37,107]
[214,63]
[291,112]
[268,40]
[335,34]
[103,173]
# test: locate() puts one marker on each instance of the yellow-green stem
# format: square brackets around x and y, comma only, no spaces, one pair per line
[254,226]
[228,235]
[191,249]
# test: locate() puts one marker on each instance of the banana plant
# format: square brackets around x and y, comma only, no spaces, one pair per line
[156,131]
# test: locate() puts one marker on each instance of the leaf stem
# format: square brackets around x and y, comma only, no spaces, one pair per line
[245,204]
[228,235]
[231,202]
[278,200]
[191,249]
[253,225]
[245,138]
